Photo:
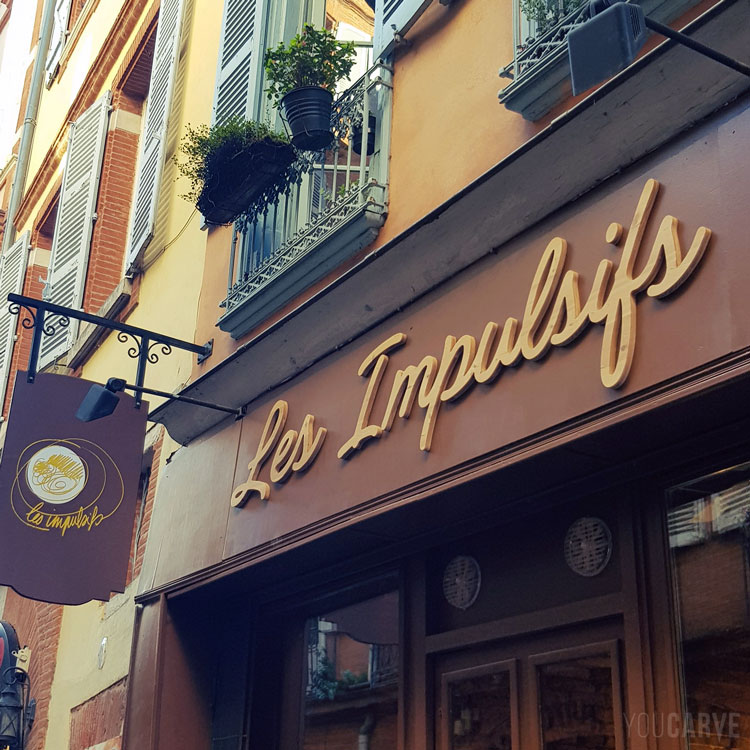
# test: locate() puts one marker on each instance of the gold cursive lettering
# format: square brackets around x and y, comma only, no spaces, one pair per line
[295,451]
[553,316]
[376,362]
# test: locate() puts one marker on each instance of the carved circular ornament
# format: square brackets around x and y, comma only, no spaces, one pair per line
[588,546]
[462,580]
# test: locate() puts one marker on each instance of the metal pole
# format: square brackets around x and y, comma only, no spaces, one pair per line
[35,344]
[702,49]
[29,123]
[68,312]
[140,376]
[238,413]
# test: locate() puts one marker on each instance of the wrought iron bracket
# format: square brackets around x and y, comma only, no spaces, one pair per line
[44,318]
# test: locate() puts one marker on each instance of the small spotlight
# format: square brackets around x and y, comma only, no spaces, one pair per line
[605,44]
[100,401]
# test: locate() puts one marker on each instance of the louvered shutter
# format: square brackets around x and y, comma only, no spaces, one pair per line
[240,60]
[59,35]
[393,17]
[687,523]
[75,221]
[153,139]
[732,507]
[12,272]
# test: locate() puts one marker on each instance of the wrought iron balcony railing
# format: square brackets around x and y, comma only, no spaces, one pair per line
[333,210]
[539,68]
[540,71]
[534,43]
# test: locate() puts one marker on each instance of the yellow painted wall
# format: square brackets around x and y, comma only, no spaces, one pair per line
[85,42]
[167,301]
[77,674]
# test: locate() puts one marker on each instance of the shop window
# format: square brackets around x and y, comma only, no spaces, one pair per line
[328,675]
[351,675]
[709,535]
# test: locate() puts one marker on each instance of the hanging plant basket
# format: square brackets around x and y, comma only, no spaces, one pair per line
[308,113]
[238,178]
[301,76]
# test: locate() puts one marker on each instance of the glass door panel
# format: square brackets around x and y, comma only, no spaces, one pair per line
[579,698]
[480,708]
[560,690]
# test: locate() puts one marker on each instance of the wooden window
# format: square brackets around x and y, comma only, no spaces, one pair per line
[12,274]
[240,61]
[59,36]
[393,18]
[153,139]
[74,224]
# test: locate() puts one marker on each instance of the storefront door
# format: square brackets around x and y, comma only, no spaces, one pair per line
[562,690]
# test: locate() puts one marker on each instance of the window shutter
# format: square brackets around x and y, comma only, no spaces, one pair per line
[394,17]
[59,35]
[12,273]
[732,507]
[75,222]
[153,138]
[240,60]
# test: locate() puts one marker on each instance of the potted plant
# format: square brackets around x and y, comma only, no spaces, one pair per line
[302,77]
[231,165]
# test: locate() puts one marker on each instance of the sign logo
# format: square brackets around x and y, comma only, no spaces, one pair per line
[56,474]
[51,474]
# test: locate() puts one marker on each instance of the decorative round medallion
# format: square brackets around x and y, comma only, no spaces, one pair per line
[461,581]
[588,546]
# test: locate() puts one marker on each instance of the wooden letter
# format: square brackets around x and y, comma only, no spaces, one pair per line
[271,431]
[376,361]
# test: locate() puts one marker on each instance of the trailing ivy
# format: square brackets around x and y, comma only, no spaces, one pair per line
[211,151]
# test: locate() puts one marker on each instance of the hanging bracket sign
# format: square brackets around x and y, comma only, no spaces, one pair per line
[68,491]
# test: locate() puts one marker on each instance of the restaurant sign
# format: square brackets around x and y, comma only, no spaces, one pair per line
[556,313]
[67,492]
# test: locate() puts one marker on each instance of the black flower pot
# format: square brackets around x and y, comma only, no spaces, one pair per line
[239,178]
[308,112]
[357,136]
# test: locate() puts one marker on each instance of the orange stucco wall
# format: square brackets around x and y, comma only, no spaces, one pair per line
[448,128]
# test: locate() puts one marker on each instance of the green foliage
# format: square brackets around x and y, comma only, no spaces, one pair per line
[323,683]
[546,13]
[313,58]
[212,152]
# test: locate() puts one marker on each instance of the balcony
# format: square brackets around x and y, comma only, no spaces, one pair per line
[540,72]
[335,208]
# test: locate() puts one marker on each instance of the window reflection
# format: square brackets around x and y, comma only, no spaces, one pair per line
[351,686]
[709,536]
[576,704]
[480,713]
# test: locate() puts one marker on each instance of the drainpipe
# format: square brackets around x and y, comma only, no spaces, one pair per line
[29,122]
[365,732]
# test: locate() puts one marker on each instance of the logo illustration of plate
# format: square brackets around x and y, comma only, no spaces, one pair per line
[56,474]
